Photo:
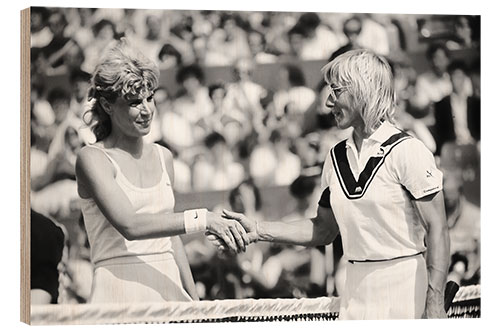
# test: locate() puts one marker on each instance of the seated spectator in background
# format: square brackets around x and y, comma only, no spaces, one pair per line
[463,221]
[169,57]
[59,101]
[272,162]
[258,50]
[79,104]
[79,82]
[434,84]
[216,170]
[404,85]
[162,106]
[39,29]
[308,150]
[104,34]
[152,41]
[228,43]
[457,115]
[80,26]
[42,115]
[373,35]
[463,38]
[304,189]
[183,125]
[293,98]
[54,52]
[231,123]
[320,41]
[296,36]
[54,192]
[47,245]
[244,95]
[352,29]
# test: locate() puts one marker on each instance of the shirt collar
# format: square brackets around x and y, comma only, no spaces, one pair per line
[381,134]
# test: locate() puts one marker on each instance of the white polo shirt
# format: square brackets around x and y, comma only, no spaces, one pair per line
[371,193]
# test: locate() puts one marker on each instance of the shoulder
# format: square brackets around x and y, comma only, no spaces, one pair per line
[167,155]
[92,159]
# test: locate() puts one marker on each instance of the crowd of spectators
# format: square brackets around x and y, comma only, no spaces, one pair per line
[241,137]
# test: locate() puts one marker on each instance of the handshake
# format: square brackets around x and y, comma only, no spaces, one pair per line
[231,231]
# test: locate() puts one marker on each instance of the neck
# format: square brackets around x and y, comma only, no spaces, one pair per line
[130,144]
[359,134]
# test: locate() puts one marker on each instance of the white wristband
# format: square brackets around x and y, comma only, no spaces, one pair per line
[195,220]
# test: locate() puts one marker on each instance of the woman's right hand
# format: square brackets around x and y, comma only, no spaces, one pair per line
[228,230]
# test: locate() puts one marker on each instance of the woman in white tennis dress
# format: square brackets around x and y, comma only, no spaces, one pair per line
[126,190]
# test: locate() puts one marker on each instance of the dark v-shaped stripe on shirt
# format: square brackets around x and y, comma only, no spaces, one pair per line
[356,189]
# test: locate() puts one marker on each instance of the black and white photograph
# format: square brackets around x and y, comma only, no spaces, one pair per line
[215,166]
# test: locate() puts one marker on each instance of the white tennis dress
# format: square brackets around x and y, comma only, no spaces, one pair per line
[139,270]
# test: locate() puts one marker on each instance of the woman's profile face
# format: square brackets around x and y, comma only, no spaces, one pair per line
[340,103]
[133,115]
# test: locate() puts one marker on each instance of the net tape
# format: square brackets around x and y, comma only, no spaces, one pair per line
[465,304]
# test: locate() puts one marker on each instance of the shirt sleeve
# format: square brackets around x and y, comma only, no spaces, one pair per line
[416,169]
[325,181]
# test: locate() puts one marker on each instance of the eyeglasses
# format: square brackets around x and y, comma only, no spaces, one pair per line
[336,91]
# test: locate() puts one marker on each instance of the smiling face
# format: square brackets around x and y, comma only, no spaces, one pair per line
[340,103]
[132,115]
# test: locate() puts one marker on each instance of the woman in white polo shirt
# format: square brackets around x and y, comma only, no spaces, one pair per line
[382,191]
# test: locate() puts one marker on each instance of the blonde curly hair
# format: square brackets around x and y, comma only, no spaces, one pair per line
[122,72]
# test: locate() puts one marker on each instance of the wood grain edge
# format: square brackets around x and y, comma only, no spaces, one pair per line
[25,303]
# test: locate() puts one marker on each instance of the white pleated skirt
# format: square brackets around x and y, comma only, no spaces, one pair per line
[394,289]
[151,278]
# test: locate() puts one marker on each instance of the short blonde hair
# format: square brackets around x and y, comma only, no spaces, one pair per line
[368,79]
[122,72]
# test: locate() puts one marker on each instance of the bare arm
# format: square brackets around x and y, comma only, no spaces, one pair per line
[432,213]
[320,230]
[96,180]
[184,269]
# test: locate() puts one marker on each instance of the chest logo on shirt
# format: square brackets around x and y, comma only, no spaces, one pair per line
[356,189]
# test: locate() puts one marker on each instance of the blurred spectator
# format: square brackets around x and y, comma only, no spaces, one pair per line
[435,84]
[457,115]
[162,106]
[272,162]
[60,44]
[229,122]
[79,270]
[47,245]
[104,34]
[373,35]
[463,221]
[244,95]
[152,42]
[182,128]
[39,30]
[463,34]
[404,85]
[228,43]
[293,98]
[80,27]
[216,170]
[169,57]
[319,40]
[79,82]
[296,40]
[258,48]
[352,29]
[308,150]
